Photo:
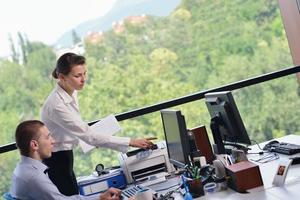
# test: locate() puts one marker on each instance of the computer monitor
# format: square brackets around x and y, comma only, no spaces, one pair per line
[226,123]
[176,136]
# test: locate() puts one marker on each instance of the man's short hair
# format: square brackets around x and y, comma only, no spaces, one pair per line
[25,132]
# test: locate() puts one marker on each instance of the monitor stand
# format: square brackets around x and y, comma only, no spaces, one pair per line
[219,146]
[237,146]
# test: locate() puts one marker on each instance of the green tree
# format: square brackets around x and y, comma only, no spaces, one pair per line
[14,53]
[23,47]
[201,45]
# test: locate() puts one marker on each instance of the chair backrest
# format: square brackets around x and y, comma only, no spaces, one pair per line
[7,196]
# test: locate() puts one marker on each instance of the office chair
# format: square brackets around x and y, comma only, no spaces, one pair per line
[7,196]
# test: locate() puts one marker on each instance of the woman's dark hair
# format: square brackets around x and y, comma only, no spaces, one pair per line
[65,63]
[25,132]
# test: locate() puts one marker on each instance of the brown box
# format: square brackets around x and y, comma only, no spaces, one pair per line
[202,142]
[243,176]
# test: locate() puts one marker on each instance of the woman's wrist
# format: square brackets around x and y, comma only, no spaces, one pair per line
[131,142]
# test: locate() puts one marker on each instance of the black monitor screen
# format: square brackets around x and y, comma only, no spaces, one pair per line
[226,124]
[176,137]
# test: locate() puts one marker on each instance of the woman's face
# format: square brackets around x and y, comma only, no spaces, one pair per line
[76,78]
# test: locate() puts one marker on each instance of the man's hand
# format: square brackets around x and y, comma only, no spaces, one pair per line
[144,143]
[111,194]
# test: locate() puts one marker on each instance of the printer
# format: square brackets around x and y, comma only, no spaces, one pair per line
[146,165]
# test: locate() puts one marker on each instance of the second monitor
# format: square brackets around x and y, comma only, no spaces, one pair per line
[177,138]
[226,123]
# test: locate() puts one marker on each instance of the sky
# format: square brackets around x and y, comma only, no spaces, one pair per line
[45,20]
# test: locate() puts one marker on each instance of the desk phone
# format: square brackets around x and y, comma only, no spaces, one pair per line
[282,147]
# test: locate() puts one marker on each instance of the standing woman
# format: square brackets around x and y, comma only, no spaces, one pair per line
[60,113]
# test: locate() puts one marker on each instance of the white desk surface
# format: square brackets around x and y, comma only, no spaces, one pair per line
[290,191]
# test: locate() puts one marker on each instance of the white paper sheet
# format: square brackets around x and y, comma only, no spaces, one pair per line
[108,125]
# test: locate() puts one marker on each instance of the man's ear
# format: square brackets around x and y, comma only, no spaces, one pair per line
[34,145]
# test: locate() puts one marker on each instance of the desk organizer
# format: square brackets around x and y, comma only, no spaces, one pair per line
[243,176]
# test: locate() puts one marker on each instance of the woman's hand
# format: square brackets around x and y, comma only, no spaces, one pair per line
[144,143]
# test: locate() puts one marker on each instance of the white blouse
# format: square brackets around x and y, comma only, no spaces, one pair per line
[60,113]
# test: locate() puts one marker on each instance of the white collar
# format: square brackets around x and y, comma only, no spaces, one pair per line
[34,163]
[64,95]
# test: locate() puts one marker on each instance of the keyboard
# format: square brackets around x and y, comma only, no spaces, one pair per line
[285,148]
[132,190]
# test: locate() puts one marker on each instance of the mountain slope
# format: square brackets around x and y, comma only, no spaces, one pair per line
[120,10]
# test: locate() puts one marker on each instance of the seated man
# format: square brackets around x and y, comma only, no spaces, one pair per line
[30,179]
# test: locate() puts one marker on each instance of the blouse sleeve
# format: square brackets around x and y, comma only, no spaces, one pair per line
[77,127]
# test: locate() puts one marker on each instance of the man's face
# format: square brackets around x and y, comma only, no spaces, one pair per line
[45,143]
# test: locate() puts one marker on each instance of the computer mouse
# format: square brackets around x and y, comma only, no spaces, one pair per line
[154,146]
[269,144]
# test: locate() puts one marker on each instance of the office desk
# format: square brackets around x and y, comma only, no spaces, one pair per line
[290,190]
[268,169]
[292,184]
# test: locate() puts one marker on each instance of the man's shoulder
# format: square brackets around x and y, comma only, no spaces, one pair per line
[26,180]
[26,167]
[25,172]
[29,166]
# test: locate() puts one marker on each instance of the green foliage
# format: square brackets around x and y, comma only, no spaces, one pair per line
[203,44]
[8,162]
[182,14]
[23,89]
[14,54]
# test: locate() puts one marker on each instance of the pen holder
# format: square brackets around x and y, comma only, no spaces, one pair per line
[195,187]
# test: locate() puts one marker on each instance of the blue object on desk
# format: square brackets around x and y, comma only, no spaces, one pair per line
[7,196]
[210,187]
[187,195]
[95,184]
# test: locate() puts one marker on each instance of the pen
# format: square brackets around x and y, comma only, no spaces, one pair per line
[195,169]
[196,173]
[189,171]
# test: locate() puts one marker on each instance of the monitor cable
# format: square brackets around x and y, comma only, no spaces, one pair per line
[269,156]
[260,152]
